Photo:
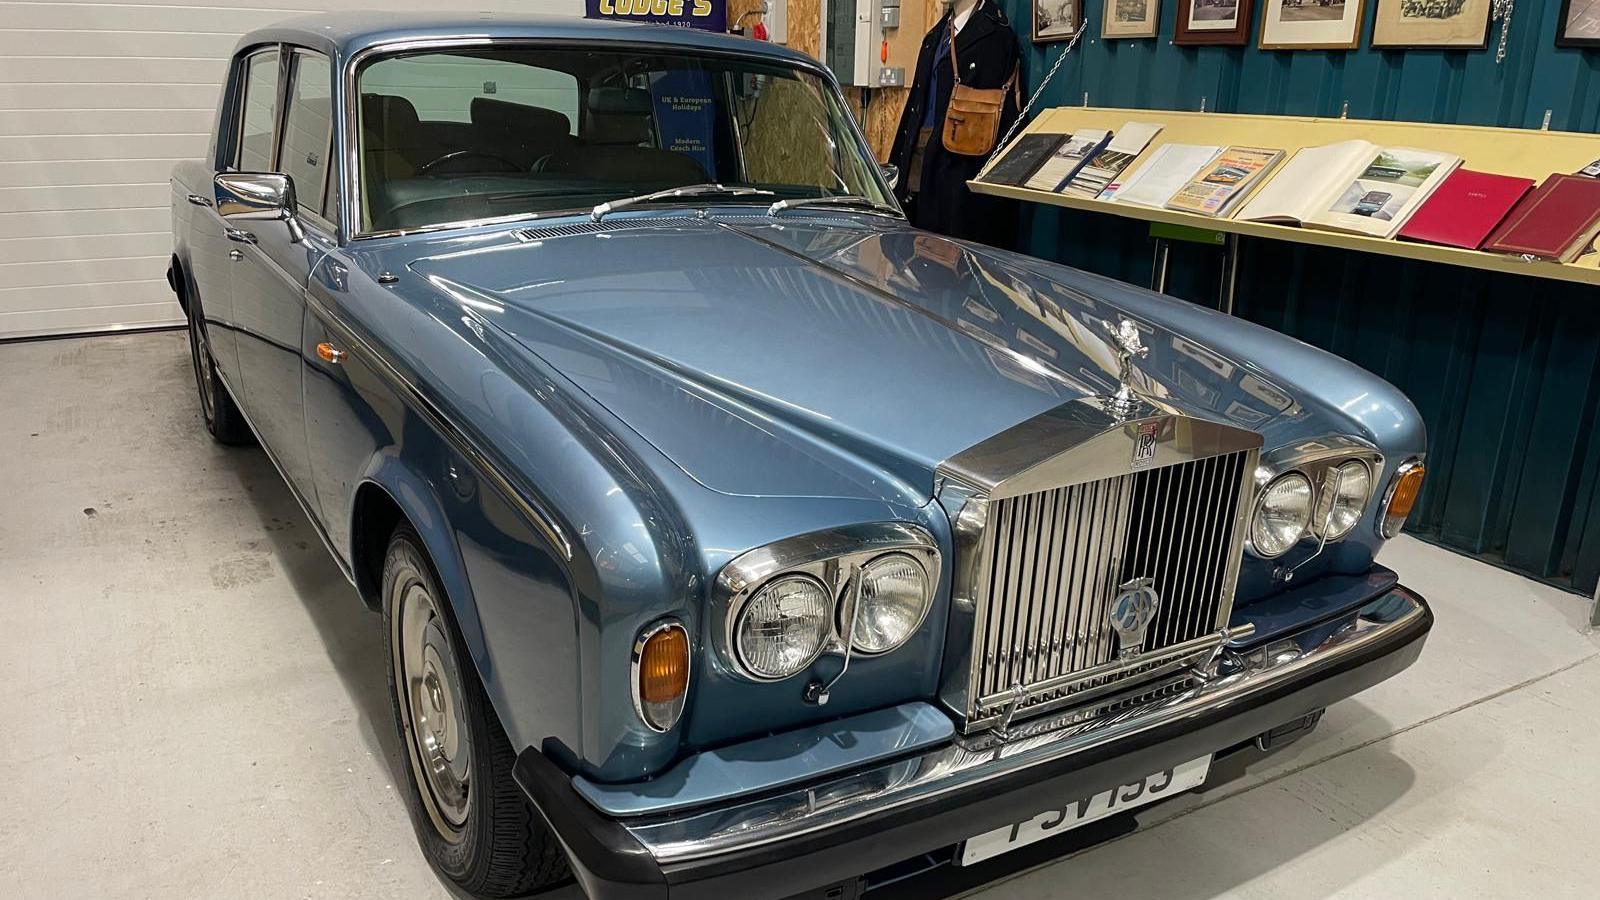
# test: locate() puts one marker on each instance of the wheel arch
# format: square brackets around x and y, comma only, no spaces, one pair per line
[178,279]
[392,493]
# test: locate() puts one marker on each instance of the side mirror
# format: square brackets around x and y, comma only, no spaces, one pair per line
[891,174]
[258,196]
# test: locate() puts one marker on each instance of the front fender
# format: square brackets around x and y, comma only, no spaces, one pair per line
[416,499]
[512,597]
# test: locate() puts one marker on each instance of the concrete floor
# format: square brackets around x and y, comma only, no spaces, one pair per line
[195,704]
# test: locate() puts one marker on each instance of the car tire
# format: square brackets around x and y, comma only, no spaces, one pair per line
[221,415]
[474,823]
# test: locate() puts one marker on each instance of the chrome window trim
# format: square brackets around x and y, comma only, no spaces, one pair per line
[830,557]
[242,97]
[1400,472]
[295,52]
[636,657]
[349,206]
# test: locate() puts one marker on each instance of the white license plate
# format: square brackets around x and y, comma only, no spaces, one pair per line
[1160,786]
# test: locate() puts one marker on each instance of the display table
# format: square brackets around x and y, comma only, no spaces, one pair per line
[1504,151]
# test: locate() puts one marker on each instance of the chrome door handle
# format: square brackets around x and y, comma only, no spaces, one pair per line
[240,235]
[235,255]
[328,353]
[198,200]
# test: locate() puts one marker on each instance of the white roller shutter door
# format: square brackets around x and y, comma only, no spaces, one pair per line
[97,101]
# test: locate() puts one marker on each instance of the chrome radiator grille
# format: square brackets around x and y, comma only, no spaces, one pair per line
[1053,561]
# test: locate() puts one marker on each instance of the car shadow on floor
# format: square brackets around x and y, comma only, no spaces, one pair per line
[351,633]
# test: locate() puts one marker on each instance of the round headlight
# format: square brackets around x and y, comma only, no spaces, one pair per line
[1344,496]
[783,627]
[894,599]
[1282,515]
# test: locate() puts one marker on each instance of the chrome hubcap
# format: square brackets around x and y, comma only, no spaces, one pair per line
[430,701]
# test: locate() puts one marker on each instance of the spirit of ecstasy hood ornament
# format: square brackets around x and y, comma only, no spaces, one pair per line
[1125,337]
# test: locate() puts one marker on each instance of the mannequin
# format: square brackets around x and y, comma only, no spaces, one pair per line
[933,181]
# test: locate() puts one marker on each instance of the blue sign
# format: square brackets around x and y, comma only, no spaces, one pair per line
[711,15]
[686,115]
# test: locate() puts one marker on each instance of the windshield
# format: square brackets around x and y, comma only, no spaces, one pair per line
[459,135]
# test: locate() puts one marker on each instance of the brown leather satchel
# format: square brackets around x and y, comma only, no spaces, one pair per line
[972,120]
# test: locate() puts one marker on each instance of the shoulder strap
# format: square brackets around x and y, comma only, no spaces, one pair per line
[950,30]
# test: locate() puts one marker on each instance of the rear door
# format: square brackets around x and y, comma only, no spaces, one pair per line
[274,262]
[245,138]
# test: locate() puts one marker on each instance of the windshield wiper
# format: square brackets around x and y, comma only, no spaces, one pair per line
[840,200]
[689,190]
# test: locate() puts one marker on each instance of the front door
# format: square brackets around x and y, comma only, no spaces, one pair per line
[273,263]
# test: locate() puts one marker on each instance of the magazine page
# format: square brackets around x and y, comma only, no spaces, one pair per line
[1380,199]
[1313,173]
[1103,168]
[1169,168]
[1228,177]
[1064,163]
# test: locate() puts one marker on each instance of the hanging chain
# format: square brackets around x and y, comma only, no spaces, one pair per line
[1501,9]
[1022,116]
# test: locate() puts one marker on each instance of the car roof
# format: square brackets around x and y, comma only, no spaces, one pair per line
[343,34]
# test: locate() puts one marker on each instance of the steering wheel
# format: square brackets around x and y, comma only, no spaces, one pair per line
[432,164]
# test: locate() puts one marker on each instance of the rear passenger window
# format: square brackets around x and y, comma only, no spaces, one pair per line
[259,113]
[308,130]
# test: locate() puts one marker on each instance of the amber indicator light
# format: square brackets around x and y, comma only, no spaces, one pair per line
[664,666]
[1404,497]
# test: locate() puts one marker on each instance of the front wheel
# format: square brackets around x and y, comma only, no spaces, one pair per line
[472,820]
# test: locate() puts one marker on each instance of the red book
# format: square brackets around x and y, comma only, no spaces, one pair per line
[1465,208]
[1554,222]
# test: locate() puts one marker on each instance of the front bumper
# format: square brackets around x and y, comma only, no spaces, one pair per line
[817,834]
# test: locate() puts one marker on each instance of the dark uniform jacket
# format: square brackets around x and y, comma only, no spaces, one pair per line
[987,51]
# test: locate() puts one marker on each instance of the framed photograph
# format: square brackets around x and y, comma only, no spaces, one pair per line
[1055,20]
[1579,24]
[1431,24]
[1130,19]
[1311,24]
[1213,22]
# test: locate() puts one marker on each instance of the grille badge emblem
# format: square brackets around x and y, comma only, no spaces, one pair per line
[1144,444]
[1131,612]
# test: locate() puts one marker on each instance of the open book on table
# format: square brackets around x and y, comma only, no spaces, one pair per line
[1353,186]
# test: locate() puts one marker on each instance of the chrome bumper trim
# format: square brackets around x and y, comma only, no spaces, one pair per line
[1149,666]
[1228,678]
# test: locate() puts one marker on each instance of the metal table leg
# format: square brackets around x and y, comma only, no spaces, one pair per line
[1158,270]
[1230,273]
[1594,610]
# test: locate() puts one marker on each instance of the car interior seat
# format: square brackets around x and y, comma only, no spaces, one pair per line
[612,143]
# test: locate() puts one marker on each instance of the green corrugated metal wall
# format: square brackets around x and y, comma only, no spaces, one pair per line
[1505,370]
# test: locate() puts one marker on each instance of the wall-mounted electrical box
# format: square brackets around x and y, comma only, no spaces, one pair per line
[777,18]
[855,33]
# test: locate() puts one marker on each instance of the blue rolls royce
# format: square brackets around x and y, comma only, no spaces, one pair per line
[731,537]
